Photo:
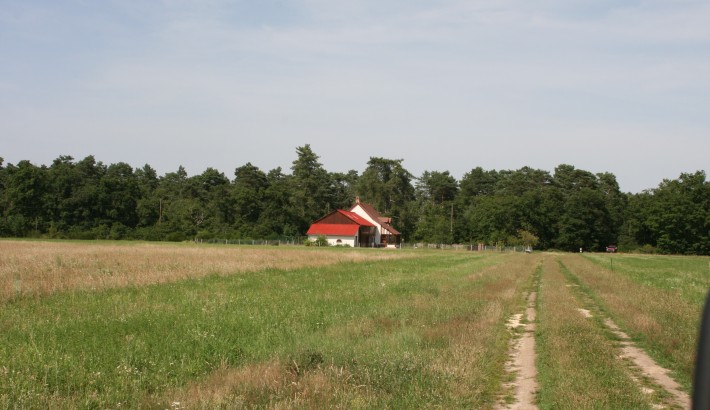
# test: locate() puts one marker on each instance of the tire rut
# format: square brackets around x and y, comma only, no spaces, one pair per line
[640,362]
[522,359]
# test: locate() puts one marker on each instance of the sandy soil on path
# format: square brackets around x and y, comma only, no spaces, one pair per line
[522,361]
[649,367]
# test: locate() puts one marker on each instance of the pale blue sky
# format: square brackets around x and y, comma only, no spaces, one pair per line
[617,86]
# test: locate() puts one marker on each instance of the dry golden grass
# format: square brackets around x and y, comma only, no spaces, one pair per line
[43,268]
[273,384]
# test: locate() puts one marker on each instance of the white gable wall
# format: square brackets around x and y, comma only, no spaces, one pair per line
[333,240]
[378,228]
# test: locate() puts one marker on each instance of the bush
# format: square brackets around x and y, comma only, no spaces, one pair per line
[205,235]
[175,237]
[101,232]
[649,249]
[321,241]
[119,231]
[149,233]
[52,232]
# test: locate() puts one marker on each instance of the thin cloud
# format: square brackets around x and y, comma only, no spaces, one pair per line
[444,85]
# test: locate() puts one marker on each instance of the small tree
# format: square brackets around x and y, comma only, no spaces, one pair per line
[527,238]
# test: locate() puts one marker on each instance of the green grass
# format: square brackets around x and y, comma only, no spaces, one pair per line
[688,276]
[393,326]
[657,300]
[577,364]
[424,331]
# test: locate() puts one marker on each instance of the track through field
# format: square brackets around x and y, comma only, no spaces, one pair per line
[652,379]
[567,352]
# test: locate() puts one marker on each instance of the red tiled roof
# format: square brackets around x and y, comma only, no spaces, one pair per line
[350,215]
[343,229]
[333,229]
[390,228]
[356,218]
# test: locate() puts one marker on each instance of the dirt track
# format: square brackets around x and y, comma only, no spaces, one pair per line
[522,360]
[648,375]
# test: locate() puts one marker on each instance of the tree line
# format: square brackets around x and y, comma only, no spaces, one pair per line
[567,210]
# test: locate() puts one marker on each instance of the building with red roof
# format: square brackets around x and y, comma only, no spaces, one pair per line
[361,226]
[385,234]
[343,228]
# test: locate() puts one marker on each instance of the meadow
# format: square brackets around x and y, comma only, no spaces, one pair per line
[135,325]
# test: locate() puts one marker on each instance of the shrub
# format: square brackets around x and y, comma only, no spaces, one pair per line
[649,249]
[118,231]
[321,241]
[175,237]
[205,235]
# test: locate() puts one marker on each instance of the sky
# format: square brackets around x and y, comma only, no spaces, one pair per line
[605,86]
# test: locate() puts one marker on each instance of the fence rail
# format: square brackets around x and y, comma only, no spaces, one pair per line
[261,242]
[299,241]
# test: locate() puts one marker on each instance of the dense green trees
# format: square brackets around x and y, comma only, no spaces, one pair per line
[567,210]
[673,218]
[312,193]
[388,187]
[435,194]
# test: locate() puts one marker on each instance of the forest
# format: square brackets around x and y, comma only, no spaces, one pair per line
[566,210]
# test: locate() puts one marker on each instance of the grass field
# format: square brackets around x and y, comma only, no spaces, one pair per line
[657,299]
[132,325]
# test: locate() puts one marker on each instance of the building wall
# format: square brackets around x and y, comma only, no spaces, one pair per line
[333,240]
[378,228]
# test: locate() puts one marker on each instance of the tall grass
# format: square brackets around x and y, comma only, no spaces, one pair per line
[422,331]
[662,319]
[34,268]
[577,364]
